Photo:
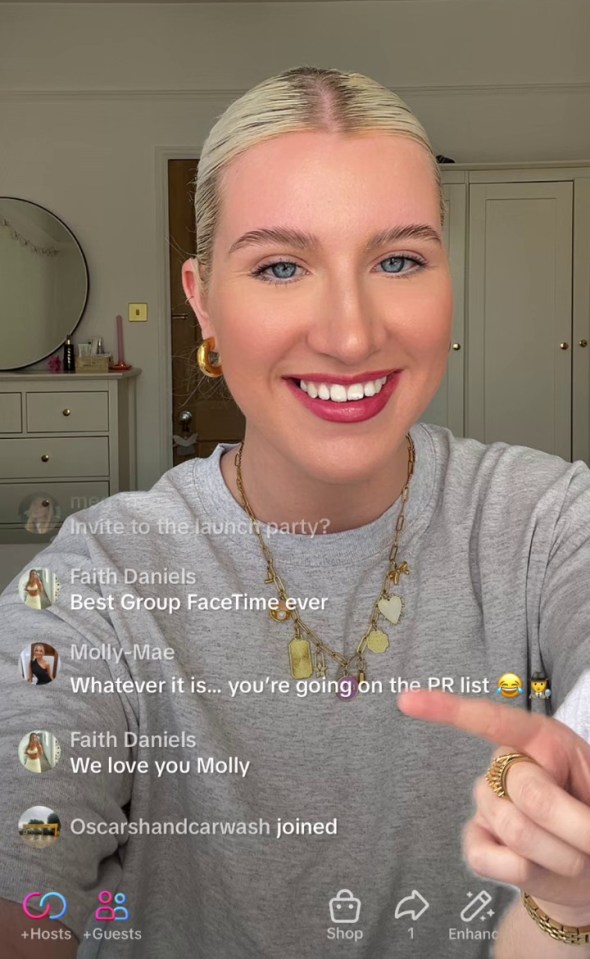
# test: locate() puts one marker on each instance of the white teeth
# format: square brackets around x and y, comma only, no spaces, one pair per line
[338,393]
[355,392]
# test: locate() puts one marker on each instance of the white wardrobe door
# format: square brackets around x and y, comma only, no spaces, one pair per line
[519,377]
[446,407]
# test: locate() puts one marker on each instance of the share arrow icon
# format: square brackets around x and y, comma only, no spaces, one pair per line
[414,906]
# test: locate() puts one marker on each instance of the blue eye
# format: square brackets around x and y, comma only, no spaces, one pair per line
[397,261]
[260,271]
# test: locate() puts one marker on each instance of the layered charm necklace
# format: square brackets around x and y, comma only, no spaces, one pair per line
[307,652]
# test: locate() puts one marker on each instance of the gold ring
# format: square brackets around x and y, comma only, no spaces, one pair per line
[498,768]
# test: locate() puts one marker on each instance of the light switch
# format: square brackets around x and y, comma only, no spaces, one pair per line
[137,312]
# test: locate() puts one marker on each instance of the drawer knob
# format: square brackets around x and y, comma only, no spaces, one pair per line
[564,346]
[67,412]
[456,346]
[45,458]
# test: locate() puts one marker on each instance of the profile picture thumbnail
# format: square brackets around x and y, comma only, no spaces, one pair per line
[40,513]
[38,588]
[39,826]
[39,663]
[39,751]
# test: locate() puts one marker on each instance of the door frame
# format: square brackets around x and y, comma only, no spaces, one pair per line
[162,156]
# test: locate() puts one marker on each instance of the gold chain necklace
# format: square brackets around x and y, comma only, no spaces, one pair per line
[303,664]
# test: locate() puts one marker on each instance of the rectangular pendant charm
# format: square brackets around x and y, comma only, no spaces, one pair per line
[300,658]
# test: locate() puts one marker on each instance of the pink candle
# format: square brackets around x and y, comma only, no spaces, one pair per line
[120,348]
[120,364]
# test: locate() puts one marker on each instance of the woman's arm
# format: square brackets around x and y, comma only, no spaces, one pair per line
[536,838]
[519,935]
[13,923]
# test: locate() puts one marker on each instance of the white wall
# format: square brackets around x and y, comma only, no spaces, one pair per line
[92,95]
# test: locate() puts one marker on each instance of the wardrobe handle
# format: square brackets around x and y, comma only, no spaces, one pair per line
[67,412]
[45,457]
[583,342]
[564,346]
[456,346]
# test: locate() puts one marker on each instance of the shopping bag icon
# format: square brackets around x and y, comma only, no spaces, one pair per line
[344,907]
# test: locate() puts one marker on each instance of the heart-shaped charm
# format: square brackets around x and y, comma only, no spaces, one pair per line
[391,607]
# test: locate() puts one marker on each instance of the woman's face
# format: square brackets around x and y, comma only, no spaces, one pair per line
[337,311]
[38,651]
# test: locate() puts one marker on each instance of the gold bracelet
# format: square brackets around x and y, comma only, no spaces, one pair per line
[574,935]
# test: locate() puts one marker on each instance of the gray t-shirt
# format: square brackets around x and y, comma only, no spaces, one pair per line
[370,803]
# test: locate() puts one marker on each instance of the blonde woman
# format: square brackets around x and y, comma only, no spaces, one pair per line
[35,595]
[42,514]
[34,754]
[322,819]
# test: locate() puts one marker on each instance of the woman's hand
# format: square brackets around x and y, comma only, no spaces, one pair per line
[539,839]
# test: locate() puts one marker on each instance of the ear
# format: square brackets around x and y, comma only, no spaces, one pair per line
[192,285]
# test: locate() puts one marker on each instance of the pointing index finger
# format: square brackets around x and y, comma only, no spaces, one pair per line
[541,738]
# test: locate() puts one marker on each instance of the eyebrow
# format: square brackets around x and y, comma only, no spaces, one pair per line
[306,241]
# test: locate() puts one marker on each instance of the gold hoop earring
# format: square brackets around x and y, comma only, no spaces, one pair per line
[205,365]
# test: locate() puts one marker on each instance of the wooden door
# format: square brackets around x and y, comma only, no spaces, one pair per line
[203,412]
[519,379]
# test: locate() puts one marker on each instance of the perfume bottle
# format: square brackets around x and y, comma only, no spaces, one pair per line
[69,361]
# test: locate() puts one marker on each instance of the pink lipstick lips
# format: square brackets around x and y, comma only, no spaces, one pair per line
[338,409]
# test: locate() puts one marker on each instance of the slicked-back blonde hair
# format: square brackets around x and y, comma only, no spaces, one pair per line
[300,99]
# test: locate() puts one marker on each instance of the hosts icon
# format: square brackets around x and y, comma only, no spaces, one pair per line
[46,914]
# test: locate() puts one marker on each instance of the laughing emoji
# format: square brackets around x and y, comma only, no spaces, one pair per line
[510,686]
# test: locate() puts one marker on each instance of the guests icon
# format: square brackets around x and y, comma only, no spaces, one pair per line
[106,912]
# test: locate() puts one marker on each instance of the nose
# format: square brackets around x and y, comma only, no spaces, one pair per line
[346,325]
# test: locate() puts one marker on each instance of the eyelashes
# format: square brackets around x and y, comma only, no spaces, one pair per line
[260,271]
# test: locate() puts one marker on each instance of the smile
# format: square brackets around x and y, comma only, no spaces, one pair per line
[353,401]
[339,393]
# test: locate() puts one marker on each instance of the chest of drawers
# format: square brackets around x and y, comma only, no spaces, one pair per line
[66,441]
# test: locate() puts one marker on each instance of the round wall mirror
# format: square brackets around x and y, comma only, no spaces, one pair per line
[43,283]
